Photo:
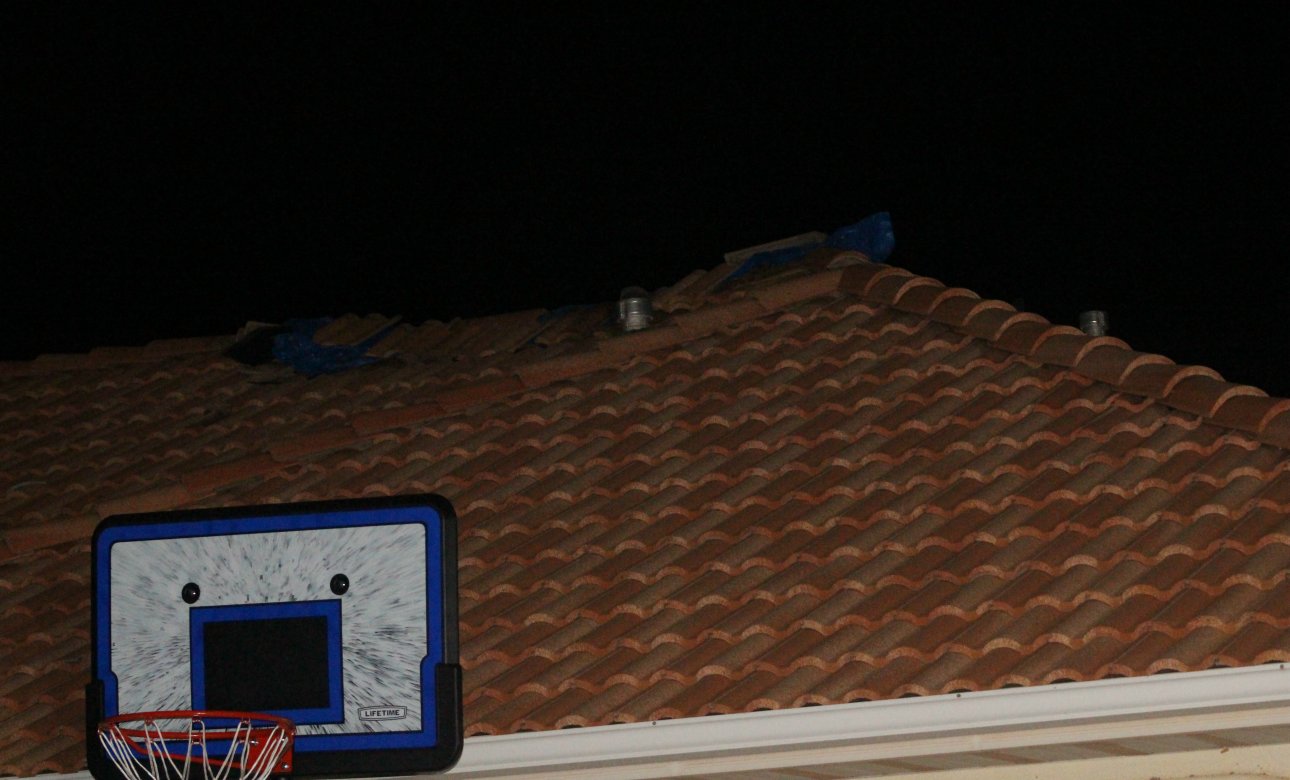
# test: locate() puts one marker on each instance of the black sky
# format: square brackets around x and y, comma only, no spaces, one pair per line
[183,172]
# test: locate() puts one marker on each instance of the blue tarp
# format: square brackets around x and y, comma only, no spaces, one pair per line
[297,348]
[872,236]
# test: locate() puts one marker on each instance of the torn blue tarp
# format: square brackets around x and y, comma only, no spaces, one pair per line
[296,348]
[872,236]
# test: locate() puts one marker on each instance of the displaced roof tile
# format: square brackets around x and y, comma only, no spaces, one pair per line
[632,344]
[672,297]
[297,447]
[567,366]
[784,294]
[702,322]
[17,540]
[152,500]
[367,423]
[475,393]
[208,478]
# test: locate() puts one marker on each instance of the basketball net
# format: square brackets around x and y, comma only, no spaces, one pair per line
[142,748]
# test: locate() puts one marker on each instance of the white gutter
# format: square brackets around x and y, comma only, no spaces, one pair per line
[1214,700]
[1048,714]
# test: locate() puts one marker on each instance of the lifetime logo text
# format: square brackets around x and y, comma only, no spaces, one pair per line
[382,713]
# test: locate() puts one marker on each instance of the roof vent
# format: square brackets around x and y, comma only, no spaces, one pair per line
[635,309]
[1094,323]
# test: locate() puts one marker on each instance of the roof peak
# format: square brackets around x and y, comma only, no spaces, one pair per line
[1193,389]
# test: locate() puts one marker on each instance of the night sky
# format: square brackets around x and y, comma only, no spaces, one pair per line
[182,173]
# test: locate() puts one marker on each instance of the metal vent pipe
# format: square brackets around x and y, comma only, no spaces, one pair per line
[635,309]
[1094,322]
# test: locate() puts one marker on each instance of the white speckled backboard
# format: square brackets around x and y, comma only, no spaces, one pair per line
[338,615]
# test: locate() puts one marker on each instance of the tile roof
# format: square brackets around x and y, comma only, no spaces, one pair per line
[847,482]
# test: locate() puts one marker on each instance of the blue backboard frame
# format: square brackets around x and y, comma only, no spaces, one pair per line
[436,746]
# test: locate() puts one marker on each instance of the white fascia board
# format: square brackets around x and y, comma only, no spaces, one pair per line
[1221,695]
[1038,715]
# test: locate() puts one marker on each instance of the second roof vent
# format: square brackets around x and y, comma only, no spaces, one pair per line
[1094,322]
[635,309]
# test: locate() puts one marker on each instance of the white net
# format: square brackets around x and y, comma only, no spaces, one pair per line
[178,748]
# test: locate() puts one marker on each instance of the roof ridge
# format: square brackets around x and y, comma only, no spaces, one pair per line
[1194,389]
[1198,390]
[100,357]
[600,354]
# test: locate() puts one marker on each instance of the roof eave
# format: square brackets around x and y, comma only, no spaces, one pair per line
[1059,714]
[1128,712]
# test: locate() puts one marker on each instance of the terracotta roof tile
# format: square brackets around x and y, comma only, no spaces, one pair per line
[833,486]
[352,329]
[988,319]
[1275,427]
[671,298]
[1023,332]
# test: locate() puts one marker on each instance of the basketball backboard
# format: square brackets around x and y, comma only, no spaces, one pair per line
[341,616]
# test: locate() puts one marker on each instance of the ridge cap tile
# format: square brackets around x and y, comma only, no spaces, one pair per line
[987,321]
[918,295]
[1203,394]
[1098,342]
[1187,371]
[108,356]
[891,287]
[950,293]
[1281,406]
[953,310]
[1023,332]
[856,278]
[704,286]
[667,298]
[547,370]
[1103,343]
[986,304]
[1246,412]
[786,293]
[1066,330]
[884,272]
[952,304]
[1060,347]
[1143,359]
[846,258]
[648,340]
[709,319]
[1275,428]
[1149,379]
